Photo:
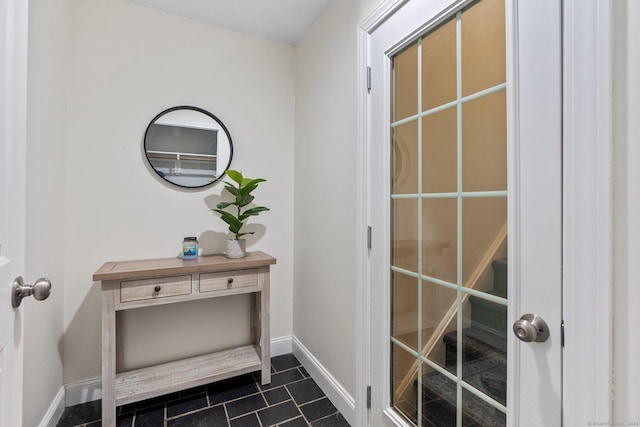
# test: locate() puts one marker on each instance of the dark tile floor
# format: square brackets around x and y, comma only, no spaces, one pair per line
[292,399]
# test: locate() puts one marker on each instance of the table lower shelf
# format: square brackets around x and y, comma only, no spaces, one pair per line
[145,383]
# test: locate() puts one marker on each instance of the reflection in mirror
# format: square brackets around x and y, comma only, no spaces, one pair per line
[188,146]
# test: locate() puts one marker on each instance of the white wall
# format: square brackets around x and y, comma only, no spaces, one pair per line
[324,300]
[45,198]
[626,114]
[127,63]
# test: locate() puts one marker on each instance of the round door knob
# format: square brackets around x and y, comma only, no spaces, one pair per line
[39,290]
[229,282]
[531,327]
[525,331]
[157,289]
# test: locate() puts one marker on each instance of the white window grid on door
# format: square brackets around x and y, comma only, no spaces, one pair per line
[459,195]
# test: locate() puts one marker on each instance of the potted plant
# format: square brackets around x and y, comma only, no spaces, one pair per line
[241,189]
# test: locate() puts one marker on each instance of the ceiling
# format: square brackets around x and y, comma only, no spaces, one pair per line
[285,21]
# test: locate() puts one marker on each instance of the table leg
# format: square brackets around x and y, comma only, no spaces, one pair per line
[108,357]
[265,332]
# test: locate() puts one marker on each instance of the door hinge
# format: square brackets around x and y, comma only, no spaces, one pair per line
[562,334]
[369,79]
[369,397]
[369,237]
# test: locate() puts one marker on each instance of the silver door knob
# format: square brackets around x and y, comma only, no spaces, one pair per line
[40,290]
[531,327]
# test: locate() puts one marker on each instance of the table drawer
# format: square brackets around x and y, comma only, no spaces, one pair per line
[228,280]
[136,290]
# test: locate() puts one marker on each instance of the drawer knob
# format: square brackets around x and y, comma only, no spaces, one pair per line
[157,289]
[229,282]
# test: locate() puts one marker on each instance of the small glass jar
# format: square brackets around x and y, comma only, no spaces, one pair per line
[190,248]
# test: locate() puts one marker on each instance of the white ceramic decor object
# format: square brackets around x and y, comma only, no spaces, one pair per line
[236,248]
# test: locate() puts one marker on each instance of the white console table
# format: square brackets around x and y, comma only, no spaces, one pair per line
[135,284]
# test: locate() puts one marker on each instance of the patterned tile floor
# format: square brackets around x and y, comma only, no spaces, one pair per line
[292,399]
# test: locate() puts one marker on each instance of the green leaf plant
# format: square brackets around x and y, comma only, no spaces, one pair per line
[241,189]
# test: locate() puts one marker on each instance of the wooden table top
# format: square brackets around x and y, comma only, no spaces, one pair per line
[173,266]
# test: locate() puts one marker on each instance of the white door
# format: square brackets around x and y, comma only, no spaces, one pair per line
[13,72]
[465,205]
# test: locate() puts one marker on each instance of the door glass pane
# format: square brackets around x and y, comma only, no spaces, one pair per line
[449,220]
[484,344]
[484,143]
[439,155]
[439,67]
[483,46]
[438,398]
[404,374]
[405,88]
[484,221]
[405,233]
[405,158]
[477,412]
[440,236]
[405,310]
[439,322]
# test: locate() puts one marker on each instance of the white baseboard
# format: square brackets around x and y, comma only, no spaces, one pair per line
[53,414]
[340,398]
[83,391]
[91,389]
[281,345]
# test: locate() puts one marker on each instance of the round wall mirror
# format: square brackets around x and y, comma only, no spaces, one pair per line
[188,146]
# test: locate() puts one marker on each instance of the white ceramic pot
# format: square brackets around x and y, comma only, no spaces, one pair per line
[236,248]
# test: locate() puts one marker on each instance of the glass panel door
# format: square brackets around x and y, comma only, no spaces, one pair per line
[449,223]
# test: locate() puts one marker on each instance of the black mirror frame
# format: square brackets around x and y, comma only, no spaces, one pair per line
[188,107]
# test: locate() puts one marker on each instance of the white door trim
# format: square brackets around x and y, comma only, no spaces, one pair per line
[587,212]
[587,204]
[363,281]
[363,298]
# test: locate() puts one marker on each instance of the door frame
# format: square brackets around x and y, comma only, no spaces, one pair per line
[587,210]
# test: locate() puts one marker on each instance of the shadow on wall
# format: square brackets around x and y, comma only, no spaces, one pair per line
[84,351]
